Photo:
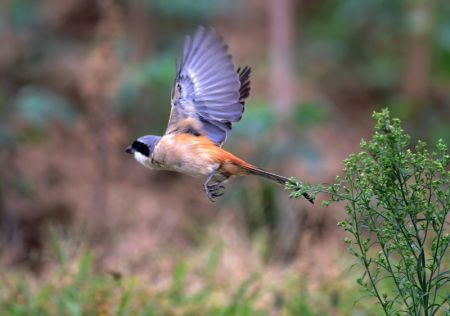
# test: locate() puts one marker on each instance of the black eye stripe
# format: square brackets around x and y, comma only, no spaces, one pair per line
[141,147]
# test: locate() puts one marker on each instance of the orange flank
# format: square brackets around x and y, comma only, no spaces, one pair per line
[197,155]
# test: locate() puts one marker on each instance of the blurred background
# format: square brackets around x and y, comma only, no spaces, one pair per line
[81,79]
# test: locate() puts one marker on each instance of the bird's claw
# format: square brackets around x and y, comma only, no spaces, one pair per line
[214,190]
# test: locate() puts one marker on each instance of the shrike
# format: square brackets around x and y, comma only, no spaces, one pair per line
[208,96]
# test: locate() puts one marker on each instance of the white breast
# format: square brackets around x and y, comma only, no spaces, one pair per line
[143,160]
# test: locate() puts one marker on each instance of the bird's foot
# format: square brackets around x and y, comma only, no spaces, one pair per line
[214,190]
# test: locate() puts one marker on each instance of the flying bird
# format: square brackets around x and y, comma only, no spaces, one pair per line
[208,96]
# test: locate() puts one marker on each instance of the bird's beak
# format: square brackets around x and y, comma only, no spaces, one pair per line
[129,150]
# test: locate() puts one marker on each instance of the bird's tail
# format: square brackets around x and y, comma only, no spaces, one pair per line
[271,176]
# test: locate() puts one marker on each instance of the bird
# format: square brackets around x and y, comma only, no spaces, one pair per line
[208,96]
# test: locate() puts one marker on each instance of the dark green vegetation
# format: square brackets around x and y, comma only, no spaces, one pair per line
[397,199]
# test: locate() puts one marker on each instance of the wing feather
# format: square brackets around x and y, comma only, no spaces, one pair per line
[207,89]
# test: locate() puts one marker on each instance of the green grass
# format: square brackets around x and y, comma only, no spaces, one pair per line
[76,289]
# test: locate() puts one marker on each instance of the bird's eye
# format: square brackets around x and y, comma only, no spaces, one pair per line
[135,144]
[141,148]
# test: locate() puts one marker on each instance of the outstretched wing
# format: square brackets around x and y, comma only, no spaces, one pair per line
[208,94]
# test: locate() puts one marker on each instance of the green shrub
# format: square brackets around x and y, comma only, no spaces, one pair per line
[397,200]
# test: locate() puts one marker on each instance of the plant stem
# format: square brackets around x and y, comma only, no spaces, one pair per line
[363,251]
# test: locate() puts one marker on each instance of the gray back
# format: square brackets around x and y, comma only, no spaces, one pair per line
[150,141]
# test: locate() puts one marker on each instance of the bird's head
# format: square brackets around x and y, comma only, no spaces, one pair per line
[142,148]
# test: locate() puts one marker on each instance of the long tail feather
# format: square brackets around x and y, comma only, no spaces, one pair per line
[274,177]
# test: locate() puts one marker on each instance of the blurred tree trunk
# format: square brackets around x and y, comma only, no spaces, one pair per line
[283,99]
[417,74]
[281,12]
[4,215]
[98,85]
[139,26]
[11,236]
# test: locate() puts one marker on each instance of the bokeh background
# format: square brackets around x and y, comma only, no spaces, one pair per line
[81,79]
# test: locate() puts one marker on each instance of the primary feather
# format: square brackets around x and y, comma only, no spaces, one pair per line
[207,88]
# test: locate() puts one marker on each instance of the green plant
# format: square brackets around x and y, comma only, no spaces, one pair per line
[397,200]
[75,285]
